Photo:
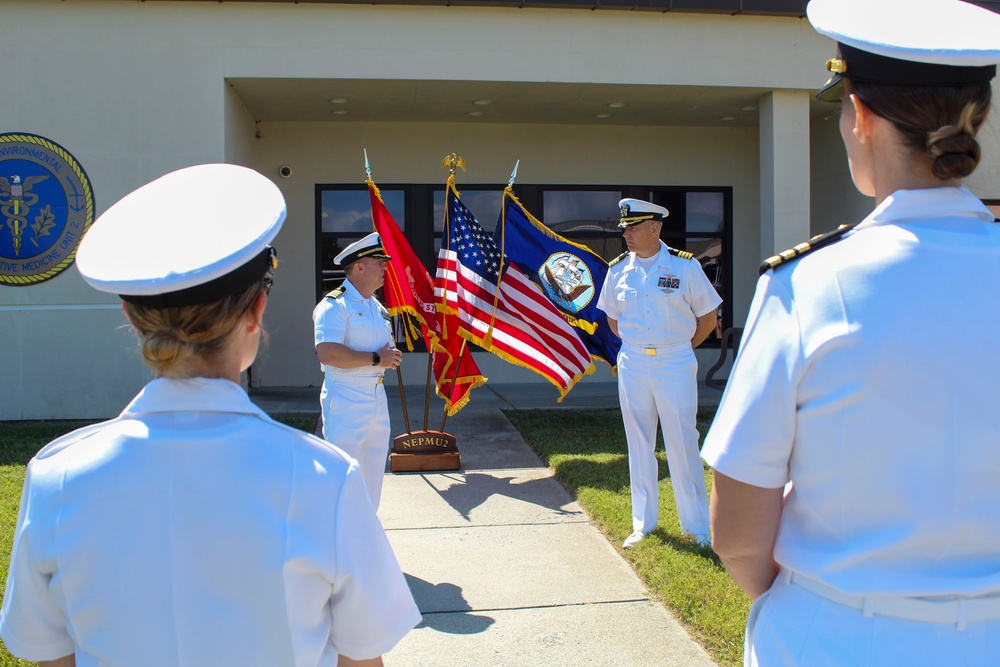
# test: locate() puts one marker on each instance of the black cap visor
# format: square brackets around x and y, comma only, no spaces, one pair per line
[231,283]
[832,91]
[858,65]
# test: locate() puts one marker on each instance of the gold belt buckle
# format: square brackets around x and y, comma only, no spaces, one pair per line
[651,351]
[381,378]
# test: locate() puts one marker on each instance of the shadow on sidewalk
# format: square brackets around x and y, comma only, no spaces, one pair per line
[451,613]
[477,488]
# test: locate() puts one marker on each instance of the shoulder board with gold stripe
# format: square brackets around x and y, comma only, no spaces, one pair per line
[618,259]
[683,254]
[801,249]
[335,294]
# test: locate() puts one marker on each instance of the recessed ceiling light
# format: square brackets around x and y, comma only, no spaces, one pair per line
[339,100]
[341,112]
[483,103]
[475,113]
[616,105]
[748,107]
[602,115]
[728,118]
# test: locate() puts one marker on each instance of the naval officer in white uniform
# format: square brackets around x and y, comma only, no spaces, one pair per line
[353,337]
[193,530]
[857,447]
[661,304]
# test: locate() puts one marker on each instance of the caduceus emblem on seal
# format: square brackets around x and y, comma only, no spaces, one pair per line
[16,200]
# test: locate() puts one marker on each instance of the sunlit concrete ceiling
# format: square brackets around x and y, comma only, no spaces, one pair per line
[365,100]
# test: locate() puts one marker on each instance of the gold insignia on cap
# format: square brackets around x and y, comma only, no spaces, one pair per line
[374,250]
[836,65]
[636,219]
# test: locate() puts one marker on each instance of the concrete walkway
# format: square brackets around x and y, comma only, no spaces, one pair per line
[506,568]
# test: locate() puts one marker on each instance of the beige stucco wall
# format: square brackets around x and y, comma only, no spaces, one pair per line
[136,89]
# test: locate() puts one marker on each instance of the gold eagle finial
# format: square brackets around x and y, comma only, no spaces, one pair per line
[452,162]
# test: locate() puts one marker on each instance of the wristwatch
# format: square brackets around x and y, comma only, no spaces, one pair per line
[375,359]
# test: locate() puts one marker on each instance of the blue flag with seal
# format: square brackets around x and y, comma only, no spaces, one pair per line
[570,274]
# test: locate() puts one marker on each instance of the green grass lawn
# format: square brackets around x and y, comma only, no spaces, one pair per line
[587,451]
[19,440]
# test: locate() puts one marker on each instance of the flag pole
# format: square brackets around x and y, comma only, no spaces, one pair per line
[454,379]
[503,217]
[453,162]
[399,372]
[427,388]
[402,397]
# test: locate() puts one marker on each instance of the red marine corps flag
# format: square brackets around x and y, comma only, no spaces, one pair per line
[409,292]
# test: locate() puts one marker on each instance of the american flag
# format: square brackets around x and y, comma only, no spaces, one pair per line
[516,322]
[409,292]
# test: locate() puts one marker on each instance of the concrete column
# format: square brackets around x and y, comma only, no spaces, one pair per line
[784,170]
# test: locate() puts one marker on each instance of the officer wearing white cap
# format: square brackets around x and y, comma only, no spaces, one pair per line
[192,529]
[353,337]
[855,493]
[660,302]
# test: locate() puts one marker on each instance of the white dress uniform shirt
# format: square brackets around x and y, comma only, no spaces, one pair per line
[656,302]
[850,386]
[352,320]
[194,530]
[867,377]
[355,412]
[657,306]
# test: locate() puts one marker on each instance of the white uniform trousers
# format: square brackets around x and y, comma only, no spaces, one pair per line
[356,419]
[663,386]
[790,625]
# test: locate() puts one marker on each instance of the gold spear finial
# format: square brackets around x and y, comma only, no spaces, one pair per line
[453,162]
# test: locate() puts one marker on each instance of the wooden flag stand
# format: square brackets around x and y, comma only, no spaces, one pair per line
[423,451]
[420,451]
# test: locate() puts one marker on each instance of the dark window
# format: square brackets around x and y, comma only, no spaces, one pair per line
[700,222]
[589,217]
[994,206]
[343,217]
